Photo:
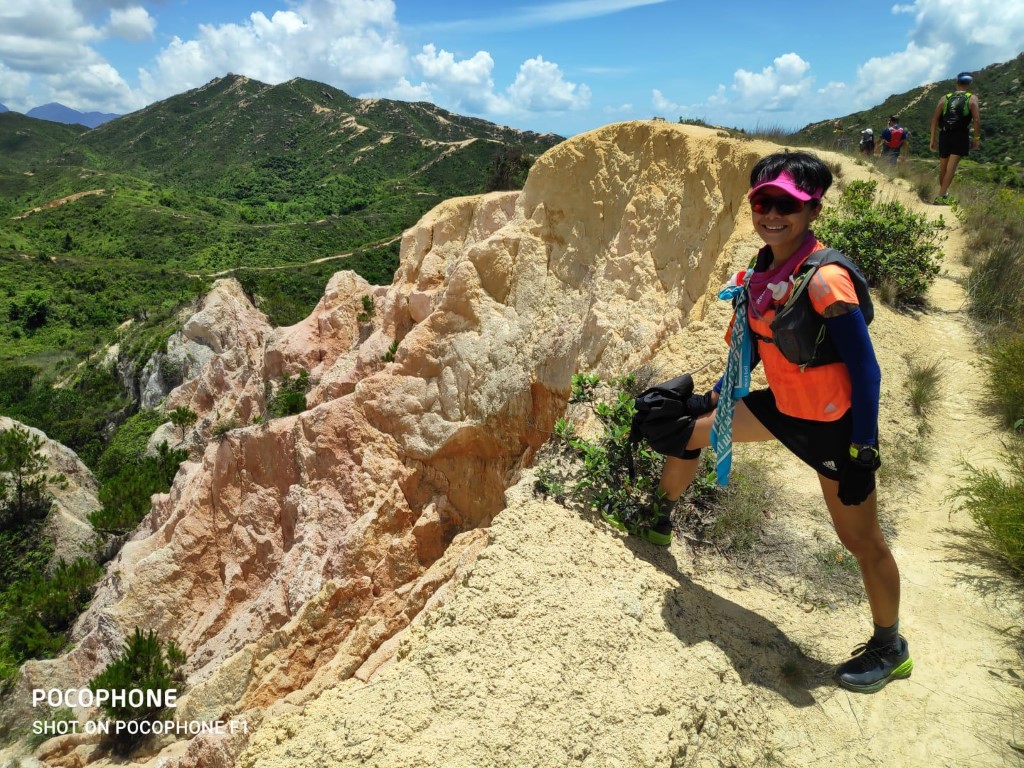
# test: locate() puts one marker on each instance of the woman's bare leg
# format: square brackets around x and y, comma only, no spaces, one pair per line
[679,473]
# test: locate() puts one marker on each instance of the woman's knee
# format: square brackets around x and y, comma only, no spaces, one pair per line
[868,545]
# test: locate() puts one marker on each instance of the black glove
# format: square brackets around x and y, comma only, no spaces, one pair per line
[698,405]
[663,416]
[857,475]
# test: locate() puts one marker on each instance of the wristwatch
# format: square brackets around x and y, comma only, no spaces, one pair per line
[865,455]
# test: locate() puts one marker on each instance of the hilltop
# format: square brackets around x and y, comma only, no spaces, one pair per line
[1002,114]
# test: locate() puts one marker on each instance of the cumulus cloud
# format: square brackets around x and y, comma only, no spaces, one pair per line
[662,104]
[131,23]
[467,85]
[947,37]
[777,87]
[540,86]
[351,43]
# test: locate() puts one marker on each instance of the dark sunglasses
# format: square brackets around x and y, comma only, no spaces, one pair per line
[783,204]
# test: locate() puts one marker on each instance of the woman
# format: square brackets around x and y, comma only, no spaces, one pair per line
[825,412]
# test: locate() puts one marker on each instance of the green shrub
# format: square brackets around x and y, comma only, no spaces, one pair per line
[183,417]
[996,504]
[1005,360]
[291,396]
[126,496]
[995,286]
[891,244]
[594,472]
[602,479]
[993,217]
[368,310]
[146,664]
[40,609]
[128,445]
[23,478]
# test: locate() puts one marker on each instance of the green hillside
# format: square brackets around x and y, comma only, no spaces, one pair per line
[240,173]
[1002,116]
[25,141]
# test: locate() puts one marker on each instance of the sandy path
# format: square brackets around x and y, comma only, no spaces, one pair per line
[959,707]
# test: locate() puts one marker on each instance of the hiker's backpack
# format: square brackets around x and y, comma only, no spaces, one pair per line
[896,137]
[956,112]
[797,330]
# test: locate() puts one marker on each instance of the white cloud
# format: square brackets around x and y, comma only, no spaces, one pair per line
[131,23]
[947,36]
[574,10]
[540,87]
[776,88]
[467,85]
[89,88]
[351,43]
[622,109]
[661,104]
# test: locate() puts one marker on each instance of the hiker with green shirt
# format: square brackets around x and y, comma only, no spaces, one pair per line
[952,120]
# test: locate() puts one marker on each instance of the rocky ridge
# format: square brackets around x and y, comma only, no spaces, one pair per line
[290,555]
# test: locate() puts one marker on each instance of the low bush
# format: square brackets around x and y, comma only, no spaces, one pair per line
[1005,360]
[995,286]
[996,503]
[40,609]
[891,244]
[290,398]
[593,472]
[126,496]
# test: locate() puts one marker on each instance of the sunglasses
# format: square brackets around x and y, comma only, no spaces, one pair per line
[783,204]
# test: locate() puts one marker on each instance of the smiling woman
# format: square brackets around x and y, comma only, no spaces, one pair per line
[822,407]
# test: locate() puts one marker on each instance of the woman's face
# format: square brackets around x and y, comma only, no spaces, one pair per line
[783,232]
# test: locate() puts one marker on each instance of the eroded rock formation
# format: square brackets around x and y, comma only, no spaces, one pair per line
[290,554]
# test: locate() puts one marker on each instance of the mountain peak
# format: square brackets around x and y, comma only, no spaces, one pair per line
[58,113]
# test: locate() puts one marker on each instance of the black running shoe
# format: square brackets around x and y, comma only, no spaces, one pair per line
[874,665]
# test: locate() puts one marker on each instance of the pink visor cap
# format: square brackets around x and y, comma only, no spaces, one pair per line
[786,183]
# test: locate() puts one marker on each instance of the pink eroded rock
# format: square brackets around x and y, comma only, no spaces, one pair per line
[292,552]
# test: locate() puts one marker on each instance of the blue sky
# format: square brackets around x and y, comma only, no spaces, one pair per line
[562,67]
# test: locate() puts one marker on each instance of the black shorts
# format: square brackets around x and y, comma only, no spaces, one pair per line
[958,144]
[822,445]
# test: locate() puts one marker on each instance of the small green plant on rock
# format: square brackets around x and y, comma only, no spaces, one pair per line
[599,476]
[291,396]
[368,311]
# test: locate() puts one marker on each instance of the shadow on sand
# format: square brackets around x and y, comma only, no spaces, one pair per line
[760,653]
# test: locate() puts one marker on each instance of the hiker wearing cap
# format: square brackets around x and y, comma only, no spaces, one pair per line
[895,140]
[801,310]
[952,119]
[867,142]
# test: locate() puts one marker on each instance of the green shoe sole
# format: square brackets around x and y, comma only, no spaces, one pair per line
[613,521]
[650,535]
[901,672]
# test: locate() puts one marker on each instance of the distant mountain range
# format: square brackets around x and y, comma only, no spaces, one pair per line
[58,113]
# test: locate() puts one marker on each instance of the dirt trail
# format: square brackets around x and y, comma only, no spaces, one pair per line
[960,706]
[567,643]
